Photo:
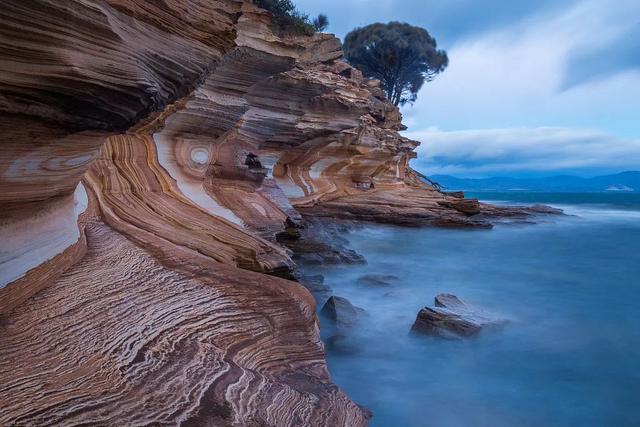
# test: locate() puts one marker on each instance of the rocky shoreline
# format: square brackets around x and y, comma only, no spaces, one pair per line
[324,242]
[156,157]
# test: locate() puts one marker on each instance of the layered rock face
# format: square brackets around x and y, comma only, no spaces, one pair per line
[127,296]
[151,153]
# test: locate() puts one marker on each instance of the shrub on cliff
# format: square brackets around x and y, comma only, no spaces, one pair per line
[401,56]
[288,20]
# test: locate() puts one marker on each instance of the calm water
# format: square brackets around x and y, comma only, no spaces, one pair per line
[571,286]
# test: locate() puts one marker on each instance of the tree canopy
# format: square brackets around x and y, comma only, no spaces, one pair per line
[321,22]
[288,20]
[400,55]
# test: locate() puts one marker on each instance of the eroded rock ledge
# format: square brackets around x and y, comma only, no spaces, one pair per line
[152,152]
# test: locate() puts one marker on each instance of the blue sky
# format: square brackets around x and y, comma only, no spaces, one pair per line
[534,88]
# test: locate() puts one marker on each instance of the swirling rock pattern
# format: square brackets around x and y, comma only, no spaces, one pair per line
[128,298]
[152,151]
[192,343]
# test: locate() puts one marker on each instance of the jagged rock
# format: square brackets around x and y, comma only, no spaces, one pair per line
[377,280]
[323,243]
[453,318]
[342,312]
[466,206]
[456,194]
[291,232]
[315,284]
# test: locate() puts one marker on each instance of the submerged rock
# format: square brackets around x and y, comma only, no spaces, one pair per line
[345,345]
[377,280]
[544,209]
[453,318]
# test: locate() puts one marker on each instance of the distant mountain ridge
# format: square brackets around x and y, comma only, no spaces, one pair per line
[621,182]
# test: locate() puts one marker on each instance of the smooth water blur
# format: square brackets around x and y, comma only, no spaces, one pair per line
[570,356]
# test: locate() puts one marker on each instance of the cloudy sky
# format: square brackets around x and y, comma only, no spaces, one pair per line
[534,88]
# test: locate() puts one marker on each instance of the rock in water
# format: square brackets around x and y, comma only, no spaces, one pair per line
[344,316]
[377,280]
[323,242]
[345,345]
[453,318]
[341,311]
[450,301]
[315,284]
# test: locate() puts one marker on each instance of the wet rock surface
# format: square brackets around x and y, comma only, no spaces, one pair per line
[324,243]
[315,284]
[529,214]
[452,318]
[342,312]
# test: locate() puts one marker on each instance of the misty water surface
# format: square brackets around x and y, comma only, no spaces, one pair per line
[570,286]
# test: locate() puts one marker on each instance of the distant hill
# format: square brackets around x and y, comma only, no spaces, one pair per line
[621,182]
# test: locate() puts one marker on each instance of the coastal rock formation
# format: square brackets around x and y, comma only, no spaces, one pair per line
[133,209]
[339,318]
[342,312]
[165,339]
[452,318]
[153,155]
[323,243]
[315,284]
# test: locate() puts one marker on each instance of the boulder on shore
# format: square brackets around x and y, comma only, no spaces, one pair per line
[453,318]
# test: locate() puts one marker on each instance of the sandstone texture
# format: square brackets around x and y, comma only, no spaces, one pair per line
[155,156]
[452,318]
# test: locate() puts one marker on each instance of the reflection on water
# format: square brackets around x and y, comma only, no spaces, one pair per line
[569,357]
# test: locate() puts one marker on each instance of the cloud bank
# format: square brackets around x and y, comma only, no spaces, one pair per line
[538,151]
[524,75]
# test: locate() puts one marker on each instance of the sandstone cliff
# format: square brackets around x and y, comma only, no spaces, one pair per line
[151,152]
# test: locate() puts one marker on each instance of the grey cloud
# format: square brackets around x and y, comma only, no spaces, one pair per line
[620,54]
[524,151]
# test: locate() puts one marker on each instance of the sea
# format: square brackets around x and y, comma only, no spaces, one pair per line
[569,286]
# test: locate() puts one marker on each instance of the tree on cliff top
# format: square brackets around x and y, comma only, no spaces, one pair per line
[401,56]
[321,22]
[288,20]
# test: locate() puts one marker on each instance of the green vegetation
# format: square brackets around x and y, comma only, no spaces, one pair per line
[401,56]
[321,22]
[288,20]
